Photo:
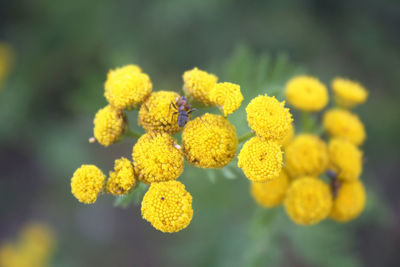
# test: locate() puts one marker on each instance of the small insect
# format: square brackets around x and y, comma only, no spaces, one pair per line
[183,109]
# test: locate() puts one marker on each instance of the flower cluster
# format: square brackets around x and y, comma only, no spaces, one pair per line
[320,178]
[34,247]
[208,141]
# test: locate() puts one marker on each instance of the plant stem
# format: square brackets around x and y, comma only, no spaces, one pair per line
[246,136]
[132,134]
[307,122]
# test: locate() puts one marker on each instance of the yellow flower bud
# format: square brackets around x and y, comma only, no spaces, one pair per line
[198,84]
[269,118]
[306,93]
[348,93]
[127,87]
[227,97]
[349,202]
[109,125]
[122,179]
[167,206]
[86,183]
[344,124]
[271,193]
[307,154]
[157,158]
[209,141]
[345,159]
[260,160]
[308,200]
[157,114]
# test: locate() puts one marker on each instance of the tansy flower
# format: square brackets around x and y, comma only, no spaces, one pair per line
[349,202]
[288,137]
[268,117]
[306,155]
[209,141]
[198,84]
[122,179]
[344,124]
[345,159]
[6,60]
[167,206]
[227,97]
[348,93]
[86,183]
[308,200]
[260,160]
[271,193]
[157,158]
[306,93]
[109,124]
[127,87]
[157,113]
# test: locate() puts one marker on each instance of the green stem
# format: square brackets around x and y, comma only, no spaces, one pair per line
[307,122]
[246,137]
[132,134]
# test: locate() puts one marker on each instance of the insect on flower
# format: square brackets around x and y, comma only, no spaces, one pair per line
[183,109]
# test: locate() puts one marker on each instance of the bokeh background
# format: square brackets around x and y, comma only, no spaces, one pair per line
[63,50]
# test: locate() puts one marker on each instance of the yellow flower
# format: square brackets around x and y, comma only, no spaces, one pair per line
[157,158]
[268,117]
[157,114]
[349,202]
[109,124]
[288,137]
[6,60]
[306,93]
[209,141]
[348,93]
[127,87]
[122,179]
[260,160]
[227,97]
[344,124]
[308,200]
[272,193]
[306,155]
[345,159]
[198,84]
[86,183]
[167,206]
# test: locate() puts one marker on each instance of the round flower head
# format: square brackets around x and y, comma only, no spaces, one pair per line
[348,93]
[198,84]
[109,124]
[272,193]
[122,179]
[227,97]
[86,183]
[127,87]
[157,113]
[349,202]
[6,60]
[306,93]
[167,206]
[157,158]
[306,155]
[209,141]
[308,200]
[288,137]
[260,160]
[268,117]
[344,124]
[345,159]
[37,240]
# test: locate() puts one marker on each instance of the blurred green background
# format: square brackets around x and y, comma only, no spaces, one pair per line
[63,52]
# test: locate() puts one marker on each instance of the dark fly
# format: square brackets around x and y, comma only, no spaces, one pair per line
[183,109]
